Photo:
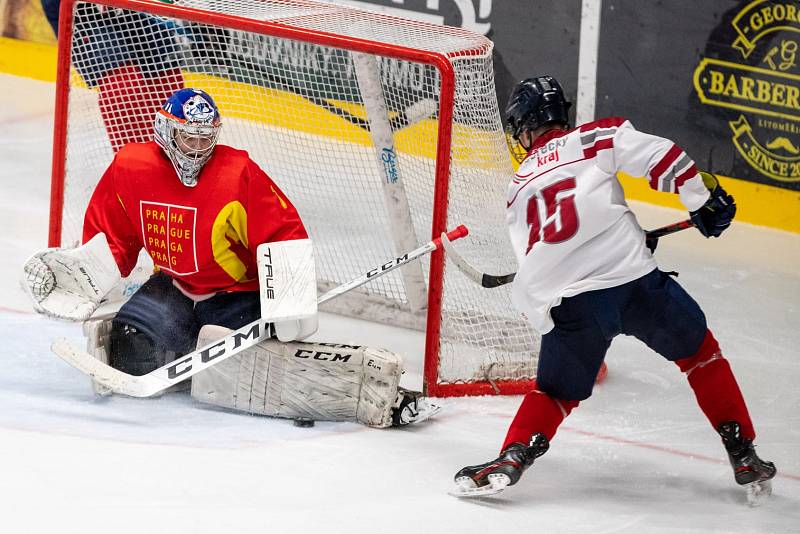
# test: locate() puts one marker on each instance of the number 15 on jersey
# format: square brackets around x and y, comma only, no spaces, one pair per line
[557,202]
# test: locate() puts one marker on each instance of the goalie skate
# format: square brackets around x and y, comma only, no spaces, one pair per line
[411,407]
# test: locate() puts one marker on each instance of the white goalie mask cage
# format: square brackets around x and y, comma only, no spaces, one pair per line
[187,128]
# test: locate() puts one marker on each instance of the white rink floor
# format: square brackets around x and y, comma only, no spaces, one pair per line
[637,457]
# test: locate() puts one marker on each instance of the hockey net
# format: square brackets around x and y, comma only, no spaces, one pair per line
[382,131]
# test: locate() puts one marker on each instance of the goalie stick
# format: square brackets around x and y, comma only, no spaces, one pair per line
[222,349]
[496,280]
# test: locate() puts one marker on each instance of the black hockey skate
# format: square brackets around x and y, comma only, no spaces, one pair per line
[749,470]
[493,477]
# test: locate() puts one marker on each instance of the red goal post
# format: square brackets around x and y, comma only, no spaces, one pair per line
[383,131]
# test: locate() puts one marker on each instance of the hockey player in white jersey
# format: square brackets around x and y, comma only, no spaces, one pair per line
[587,275]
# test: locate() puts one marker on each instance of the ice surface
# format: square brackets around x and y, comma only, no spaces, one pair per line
[637,457]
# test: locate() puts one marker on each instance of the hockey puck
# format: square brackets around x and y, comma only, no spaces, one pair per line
[304,422]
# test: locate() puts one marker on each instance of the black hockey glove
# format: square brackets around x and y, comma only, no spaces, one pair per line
[715,216]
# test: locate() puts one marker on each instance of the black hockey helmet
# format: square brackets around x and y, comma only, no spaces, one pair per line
[535,102]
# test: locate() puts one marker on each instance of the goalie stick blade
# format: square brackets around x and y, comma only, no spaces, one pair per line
[167,375]
[104,375]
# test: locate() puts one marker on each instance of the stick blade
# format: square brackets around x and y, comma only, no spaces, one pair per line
[459,261]
[491,281]
[486,280]
[103,374]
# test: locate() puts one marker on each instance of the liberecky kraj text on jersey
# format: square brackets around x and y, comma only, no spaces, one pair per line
[570,226]
[206,236]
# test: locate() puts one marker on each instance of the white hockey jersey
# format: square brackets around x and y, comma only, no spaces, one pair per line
[570,226]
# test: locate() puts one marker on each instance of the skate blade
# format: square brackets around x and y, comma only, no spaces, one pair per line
[466,488]
[432,410]
[423,415]
[758,492]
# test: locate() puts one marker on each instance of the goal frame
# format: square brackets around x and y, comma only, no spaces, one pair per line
[437,60]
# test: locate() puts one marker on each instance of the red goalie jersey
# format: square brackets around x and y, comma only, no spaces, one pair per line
[206,236]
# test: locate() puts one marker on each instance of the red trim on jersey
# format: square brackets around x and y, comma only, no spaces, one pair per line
[591,154]
[608,122]
[548,136]
[669,158]
[509,202]
[600,144]
[588,153]
[691,172]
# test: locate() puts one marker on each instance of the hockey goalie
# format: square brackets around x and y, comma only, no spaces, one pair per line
[228,247]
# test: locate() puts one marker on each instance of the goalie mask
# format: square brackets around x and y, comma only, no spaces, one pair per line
[534,102]
[187,127]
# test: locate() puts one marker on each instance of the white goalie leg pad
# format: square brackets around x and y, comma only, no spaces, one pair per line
[70,283]
[321,381]
[97,332]
[287,280]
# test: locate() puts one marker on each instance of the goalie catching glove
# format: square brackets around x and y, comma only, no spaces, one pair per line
[70,283]
[715,216]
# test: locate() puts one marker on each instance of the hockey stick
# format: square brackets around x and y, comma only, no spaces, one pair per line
[222,349]
[669,229]
[496,280]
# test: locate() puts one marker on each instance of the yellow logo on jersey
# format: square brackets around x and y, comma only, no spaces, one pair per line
[230,226]
[280,198]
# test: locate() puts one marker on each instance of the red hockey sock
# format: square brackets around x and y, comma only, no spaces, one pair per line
[538,413]
[715,387]
[129,101]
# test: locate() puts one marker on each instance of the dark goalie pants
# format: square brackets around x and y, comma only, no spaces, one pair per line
[159,319]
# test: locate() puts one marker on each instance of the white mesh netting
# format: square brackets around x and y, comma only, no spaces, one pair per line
[298,108]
